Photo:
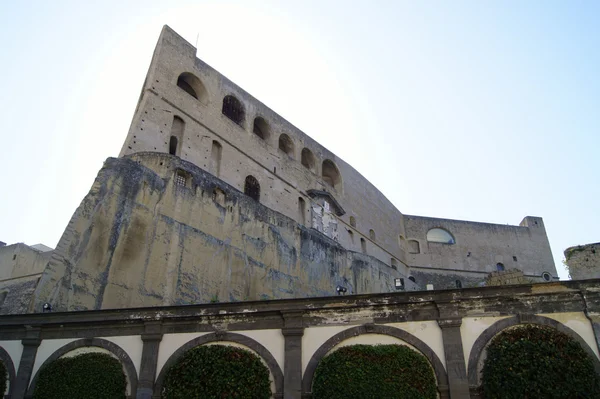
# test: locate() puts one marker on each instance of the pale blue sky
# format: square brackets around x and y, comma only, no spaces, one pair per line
[475,110]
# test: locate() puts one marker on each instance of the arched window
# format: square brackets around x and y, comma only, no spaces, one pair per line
[261,128]
[286,144]
[363,245]
[394,264]
[440,235]
[177,128]
[233,109]
[192,86]
[252,188]
[331,174]
[372,234]
[458,284]
[414,247]
[351,235]
[353,221]
[308,159]
[411,278]
[499,267]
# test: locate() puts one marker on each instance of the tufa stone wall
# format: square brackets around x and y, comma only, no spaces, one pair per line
[156,230]
[583,261]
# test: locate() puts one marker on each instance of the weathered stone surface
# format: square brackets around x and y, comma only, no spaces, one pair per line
[506,277]
[583,261]
[141,239]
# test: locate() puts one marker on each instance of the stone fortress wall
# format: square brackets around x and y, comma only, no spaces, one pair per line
[583,261]
[288,164]
[21,266]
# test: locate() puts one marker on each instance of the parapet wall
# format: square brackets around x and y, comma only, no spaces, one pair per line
[156,230]
[477,250]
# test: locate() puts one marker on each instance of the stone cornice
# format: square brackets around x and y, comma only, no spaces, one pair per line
[564,296]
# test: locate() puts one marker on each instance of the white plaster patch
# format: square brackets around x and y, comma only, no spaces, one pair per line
[132,345]
[471,329]
[14,350]
[273,340]
[427,331]
[46,349]
[314,337]
[169,344]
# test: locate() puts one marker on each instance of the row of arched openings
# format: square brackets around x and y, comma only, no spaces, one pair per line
[234,110]
[532,333]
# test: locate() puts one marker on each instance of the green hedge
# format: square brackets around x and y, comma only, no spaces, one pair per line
[374,372]
[538,362]
[3,379]
[219,372]
[90,376]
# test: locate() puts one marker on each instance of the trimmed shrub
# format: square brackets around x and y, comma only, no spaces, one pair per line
[374,372]
[219,372]
[538,362]
[90,375]
[3,379]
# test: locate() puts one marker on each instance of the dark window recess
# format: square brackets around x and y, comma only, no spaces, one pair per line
[173,145]
[185,86]
[515,258]
[261,129]
[232,108]
[252,188]
[411,278]
[500,267]
[458,284]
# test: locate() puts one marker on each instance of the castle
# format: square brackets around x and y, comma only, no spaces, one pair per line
[217,202]
[216,197]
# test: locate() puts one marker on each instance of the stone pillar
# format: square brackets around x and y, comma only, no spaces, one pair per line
[455,360]
[292,330]
[151,338]
[30,343]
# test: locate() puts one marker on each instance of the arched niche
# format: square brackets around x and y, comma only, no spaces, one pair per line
[252,188]
[308,160]
[331,174]
[334,341]
[478,351]
[286,145]
[224,337]
[116,350]
[261,128]
[233,109]
[193,86]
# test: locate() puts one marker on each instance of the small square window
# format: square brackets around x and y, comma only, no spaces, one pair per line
[399,283]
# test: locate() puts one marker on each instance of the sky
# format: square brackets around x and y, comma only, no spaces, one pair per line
[471,110]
